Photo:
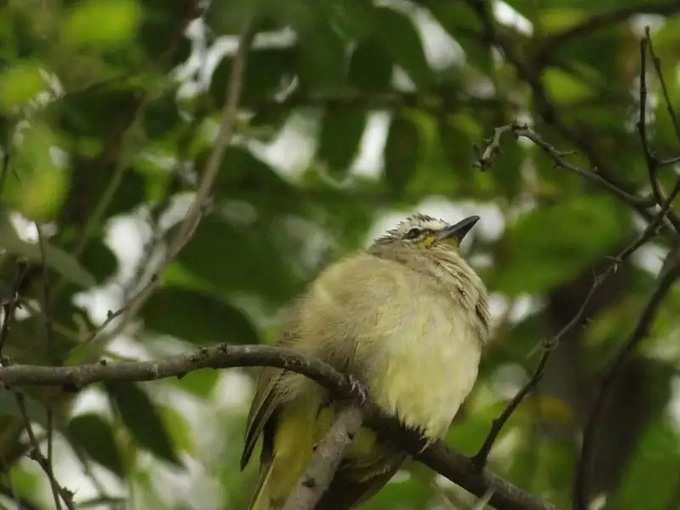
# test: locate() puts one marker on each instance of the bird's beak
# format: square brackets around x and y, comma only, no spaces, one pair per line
[458,231]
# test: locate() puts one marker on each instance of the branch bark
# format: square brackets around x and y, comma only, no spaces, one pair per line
[454,466]
[325,461]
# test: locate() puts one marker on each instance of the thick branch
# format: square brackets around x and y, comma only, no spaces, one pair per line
[582,485]
[327,456]
[456,467]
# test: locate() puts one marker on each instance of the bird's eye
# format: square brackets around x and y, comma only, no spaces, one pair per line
[413,233]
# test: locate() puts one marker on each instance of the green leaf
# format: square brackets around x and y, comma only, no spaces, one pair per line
[95,436]
[161,115]
[321,57]
[19,84]
[102,23]
[196,317]
[38,183]
[200,382]
[56,258]
[400,38]
[269,70]
[648,482]
[99,260]
[370,66]
[401,152]
[232,258]
[143,420]
[552,244]
[341,132]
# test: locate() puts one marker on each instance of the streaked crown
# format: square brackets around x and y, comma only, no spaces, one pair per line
[425,231]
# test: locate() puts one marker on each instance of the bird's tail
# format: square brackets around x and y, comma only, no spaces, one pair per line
[261,498]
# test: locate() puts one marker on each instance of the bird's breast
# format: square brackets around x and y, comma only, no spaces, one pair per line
[425,360]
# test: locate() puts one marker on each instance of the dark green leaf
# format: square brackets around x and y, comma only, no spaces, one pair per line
[56,258]
[401,152]
[400,38]
[143,420]
[99,260]
[95,436]
[370,66]
[553,244]
[340,136]
[196,317]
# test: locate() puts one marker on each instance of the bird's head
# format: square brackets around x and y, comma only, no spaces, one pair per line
[422,232]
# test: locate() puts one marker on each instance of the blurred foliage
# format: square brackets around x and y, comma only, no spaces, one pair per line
[353,113]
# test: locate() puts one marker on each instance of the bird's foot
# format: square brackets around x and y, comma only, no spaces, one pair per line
[357,389]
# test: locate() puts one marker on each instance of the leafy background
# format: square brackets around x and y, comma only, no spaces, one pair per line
[353,115]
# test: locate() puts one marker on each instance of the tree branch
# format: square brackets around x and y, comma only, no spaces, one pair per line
[58,491]
[454,466]
[659,73]
[492,148]
[650,158]
[321,469]
[191,220]
[550,345]
[611,375]
[531,75]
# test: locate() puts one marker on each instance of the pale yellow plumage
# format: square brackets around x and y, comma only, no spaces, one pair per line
[409,319]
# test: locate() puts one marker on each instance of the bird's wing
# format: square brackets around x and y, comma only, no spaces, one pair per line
[264,404]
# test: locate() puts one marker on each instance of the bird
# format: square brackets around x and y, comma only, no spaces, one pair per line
[407,318]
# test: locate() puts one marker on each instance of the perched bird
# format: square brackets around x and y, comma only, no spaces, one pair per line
[408,318]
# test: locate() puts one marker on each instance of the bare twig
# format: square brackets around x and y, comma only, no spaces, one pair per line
[192,218]
[60,493]
[492,148]
[550,345]
[659,73]
[454,466]
[531,75]
[650,158]
[610,377]
[327,456]
[669,161]
[53,484]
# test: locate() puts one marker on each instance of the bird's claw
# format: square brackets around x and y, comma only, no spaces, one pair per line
[357,389]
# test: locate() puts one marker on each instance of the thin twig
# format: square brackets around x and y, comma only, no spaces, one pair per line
[609,379]
[531,75]
[650,158]
[669,161]
[325,461]
[121,137]
[53,484]
[60,493]
[492,148]
[659,73]
[192,218]
[454,466]
[550,345]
